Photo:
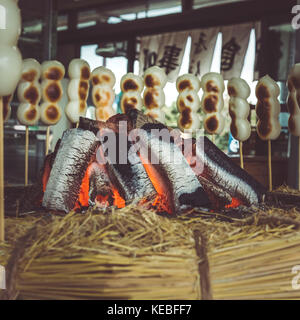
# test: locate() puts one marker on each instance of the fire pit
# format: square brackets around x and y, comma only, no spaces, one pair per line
[134,159]
[150,230]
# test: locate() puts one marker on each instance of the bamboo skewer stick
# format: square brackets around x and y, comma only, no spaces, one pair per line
[241,155]
[26,155]
[1,173]
[213,139]
[47,140]
[270,165]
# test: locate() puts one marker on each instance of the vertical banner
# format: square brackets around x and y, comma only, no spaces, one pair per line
[235,44]
[202,50]
[164,50]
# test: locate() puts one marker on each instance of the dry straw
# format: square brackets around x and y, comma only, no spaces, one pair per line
[133,253]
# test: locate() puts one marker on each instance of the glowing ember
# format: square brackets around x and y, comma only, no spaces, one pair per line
[119,202]
[234,204]
[46,174]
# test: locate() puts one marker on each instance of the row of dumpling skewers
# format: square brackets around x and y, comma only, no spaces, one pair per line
[30,92]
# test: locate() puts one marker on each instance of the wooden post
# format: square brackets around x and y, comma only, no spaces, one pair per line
[213,139]
[241,155]
[26,155]
[1,173]
[270,165]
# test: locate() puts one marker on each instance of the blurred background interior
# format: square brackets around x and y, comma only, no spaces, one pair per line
[108,32]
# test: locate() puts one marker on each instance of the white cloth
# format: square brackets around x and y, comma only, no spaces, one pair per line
[164,50]
[202,50]
[234,47]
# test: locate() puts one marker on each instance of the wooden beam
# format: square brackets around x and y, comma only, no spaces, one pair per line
[225,14]
[186,5]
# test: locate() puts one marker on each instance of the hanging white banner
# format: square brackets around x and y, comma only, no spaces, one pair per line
[164,50]
[234,47]
[202,50]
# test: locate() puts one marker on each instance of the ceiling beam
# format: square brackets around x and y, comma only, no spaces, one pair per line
[231,13]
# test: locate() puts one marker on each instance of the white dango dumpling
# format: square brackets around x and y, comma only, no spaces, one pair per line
[104,113]
[215,121]
[103,76]
[188,99]
[53,70]
[11,28]
[131,82]
[79,69]
[239,109]
[267,109]
[154,98]
[31,70]
[52,74]
[187,82]
[29,93]
[155,77]
[212,102]
[131,100]
[76,109]
[103,96]
[78,89]
[28,114]
[50,113]
[10,69]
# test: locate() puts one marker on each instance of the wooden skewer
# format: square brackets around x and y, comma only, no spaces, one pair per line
[270,165]
[26,155]
[1,173]
[213,139]
[47,140]
[241,155]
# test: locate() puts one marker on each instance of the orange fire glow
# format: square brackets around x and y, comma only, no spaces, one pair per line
[83,198]
[234,203]
[161,202]
[46,175]
[119,202]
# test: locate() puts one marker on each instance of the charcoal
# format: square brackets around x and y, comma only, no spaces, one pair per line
[217,196]
[215,166]
[224,173]
[71,162]
[129,176]
[90,125]
[183,188]
[99,184]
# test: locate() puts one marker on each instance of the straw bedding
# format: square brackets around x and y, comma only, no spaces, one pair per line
[133,253]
